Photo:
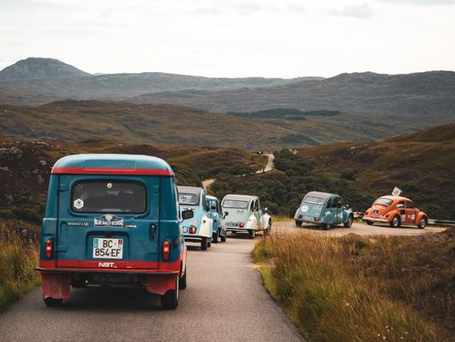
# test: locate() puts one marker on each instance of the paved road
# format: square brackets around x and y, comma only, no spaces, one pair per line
[224,301]
[357,228]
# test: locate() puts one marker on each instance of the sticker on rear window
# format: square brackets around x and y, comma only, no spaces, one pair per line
[78,204]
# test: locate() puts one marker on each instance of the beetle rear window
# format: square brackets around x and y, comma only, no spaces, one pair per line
[384,201]
[109,196]
[188,199]
[314,200]
[235,204]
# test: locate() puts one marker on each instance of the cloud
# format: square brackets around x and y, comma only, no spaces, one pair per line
[421,2]
[27,5]
[354,11]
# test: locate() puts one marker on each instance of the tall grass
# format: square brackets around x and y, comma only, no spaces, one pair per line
[345,289]
[18,259]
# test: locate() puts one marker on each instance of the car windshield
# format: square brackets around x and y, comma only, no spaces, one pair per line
[314,200]
[109,196]
[235,204]
[188,199]
[384,201]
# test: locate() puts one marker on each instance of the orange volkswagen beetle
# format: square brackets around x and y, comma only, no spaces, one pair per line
[395,210]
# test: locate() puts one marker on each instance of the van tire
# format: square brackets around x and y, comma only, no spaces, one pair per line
[298,223]
[182,281]
[52,302]
[251,233]
[223,238]
[370,223]
[170,300]
[204,244]
[215,236]
[325,226]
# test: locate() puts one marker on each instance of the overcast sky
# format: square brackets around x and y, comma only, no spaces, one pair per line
[232,38]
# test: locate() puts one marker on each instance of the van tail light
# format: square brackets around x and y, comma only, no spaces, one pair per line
[316,219]
[166,250]
[49,247]
[241,224]
[299,216]
[193,230]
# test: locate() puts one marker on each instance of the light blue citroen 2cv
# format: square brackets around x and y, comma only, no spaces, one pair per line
[323,209]
[199,227]
[112,220]
[219,231]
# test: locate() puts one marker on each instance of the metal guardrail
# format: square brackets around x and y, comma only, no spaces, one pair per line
[432,222]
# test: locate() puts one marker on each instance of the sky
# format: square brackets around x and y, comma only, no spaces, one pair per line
[233,38]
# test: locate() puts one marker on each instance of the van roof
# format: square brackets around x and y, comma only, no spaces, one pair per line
[322,195]
[189,189]
[112,164]
[239,197]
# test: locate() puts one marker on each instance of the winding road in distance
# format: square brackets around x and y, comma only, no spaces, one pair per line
[224,301]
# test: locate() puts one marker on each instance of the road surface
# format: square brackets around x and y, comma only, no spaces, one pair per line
[269,165]
[224,301]
[357,228]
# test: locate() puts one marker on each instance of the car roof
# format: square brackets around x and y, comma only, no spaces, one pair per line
[212,197]
[239,197]
[396,198]
[120,164]
[323,195]
[190,189]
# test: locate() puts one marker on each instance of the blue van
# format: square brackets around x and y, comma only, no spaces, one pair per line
[112,220]
[199,227]
[323,209]
[219,230]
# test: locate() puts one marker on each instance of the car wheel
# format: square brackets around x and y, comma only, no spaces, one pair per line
[370,223]
[348,224]
[204,244]
[423,223]
[223,237]
[182,281]
[251,233]
[170,300]
[396,222]
[52,302]
[298,223]
[215,236]
[325,226]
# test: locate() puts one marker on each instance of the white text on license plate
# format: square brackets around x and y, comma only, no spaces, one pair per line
[107,248]
[307,218]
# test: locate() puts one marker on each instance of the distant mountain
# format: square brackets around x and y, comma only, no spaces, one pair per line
[40,68]
[428,93]
[46,77]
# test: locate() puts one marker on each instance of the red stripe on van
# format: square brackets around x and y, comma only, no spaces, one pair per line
[82,170]
[119,266]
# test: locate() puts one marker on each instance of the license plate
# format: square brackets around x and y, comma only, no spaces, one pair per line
[307,218]
[107,248]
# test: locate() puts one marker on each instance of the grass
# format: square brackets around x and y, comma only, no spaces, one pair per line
[18,259]
[362,289]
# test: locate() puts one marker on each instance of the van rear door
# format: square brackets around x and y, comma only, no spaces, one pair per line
[108,221]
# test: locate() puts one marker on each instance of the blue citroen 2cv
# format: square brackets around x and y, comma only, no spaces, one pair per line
[199,227]
[112,220]
[323,209]
[219,230]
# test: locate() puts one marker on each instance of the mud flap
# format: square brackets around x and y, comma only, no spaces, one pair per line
[161,284]
[56,286]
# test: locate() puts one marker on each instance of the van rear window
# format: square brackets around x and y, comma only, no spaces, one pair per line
[109,196]
[235,204]
[188,199]
[314,200]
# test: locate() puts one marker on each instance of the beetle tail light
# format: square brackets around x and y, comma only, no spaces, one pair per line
[241,224]
[49,247]
[166,250]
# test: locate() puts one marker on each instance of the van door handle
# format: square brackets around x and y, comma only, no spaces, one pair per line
[152,231]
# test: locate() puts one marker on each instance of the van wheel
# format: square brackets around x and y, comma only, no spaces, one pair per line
[423,223]
[170,300]
[182,281]
[298,223]
[348,224]
[223,238]
[204,244]
[325,226]
[370,223]
[251,233]
[215,236]
[396,222]
[53,302]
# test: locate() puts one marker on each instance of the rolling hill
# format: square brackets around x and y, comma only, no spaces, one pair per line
[50,78]
[367,94]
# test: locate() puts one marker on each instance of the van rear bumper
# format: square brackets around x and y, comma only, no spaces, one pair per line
[107,270]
